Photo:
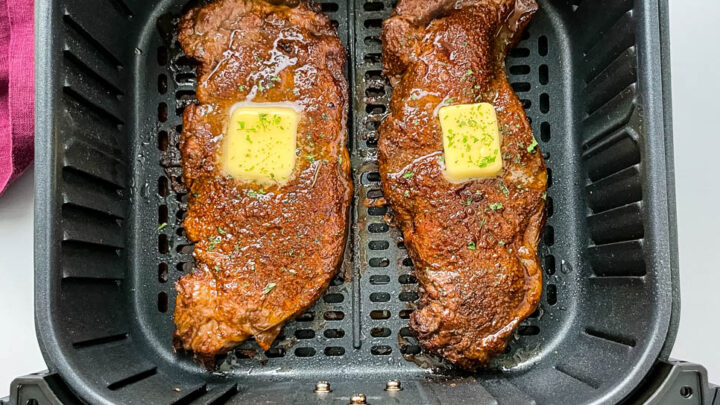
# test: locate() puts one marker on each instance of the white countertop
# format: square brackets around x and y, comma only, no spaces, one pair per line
[696,91]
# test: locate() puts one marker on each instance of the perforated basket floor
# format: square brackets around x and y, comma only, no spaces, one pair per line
[110,106]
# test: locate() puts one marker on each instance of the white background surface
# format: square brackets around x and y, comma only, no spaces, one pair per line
[695,37]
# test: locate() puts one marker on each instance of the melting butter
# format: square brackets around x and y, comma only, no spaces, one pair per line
[260,142]
[471,141]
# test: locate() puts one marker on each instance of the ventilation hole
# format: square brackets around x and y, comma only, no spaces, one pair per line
[526,104]
[178,129]
[380,332]
[381,350]
[379,280]
[535,314]
[407,279]
[519,70]
[334,333]
[180,232]
[373,126]
[551,294]
[373,6]
[549,206]
[334,315]
[543,73]
[380,297]
[334,351]
[374,194]
[373,75]
[374,93]
[373,23]
[519,53]
[31,401]
[373,176]
[375,109]
[338,280]
[275,352]
[335,24]
[162,112]
[163,188]
[163,246]
[410,349]
[380,314]
[521,87]
[378,245]
[686,392]
[306,317]
[163,272]
[186,78]
[507,350]
[408,296]
[545,132]
[304,352]
[549,264]
[180,214]
[162,84]
[528,330]
[185,249]
[549,177]
[372,142]
[401,244]
[184,267]
[405,313]
[379,262]
[163,140]
[378,228]
[333,298]
[405,332]
[304,333]
[329,7]
[544,103]
[185,95]
[549,235]
[162,215]
[162,302]
[543,45]
[407,262]
[162,56]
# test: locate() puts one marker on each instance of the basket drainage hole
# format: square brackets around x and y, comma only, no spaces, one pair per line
[380,332]
[686,392]
[380,314]
[334,333]
[162,302]
[304,352]
[334,351]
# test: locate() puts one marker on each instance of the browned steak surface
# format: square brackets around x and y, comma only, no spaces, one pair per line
[262,254]
[474,244]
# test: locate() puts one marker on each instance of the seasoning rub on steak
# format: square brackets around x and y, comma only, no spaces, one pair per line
[263,252]
[473,243]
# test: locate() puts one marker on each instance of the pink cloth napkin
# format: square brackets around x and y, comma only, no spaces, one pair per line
[16,89]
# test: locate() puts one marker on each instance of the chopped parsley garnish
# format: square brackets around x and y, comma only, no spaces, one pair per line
[241,87]
[495,206]
[449,100]
[504,189]
[544,196]
[268,288]
[414,97]
[275,78]
[162,226]
[221,231]
[214,241]
[252,193]
[217,269]
[469,201]
[408,175]
[406,193]
[471,245]
[531,148]
[310,158]
[325,117]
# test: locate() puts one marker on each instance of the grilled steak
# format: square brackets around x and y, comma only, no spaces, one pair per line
[474,244]
[263,254]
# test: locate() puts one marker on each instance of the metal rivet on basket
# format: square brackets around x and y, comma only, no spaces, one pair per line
[358,399]
[393,385]
[322,387]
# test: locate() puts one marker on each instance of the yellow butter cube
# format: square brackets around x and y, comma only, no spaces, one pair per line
[471,141]
[260,143]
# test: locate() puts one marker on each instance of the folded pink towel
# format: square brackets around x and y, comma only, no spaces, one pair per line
[17,126]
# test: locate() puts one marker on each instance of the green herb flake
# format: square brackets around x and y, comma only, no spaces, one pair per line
[544,196]
[531,148]
[162,226]
[275,78]
[495,206]
[471,245]
[469,201]
[406,193]
[221,231]
[503,189]
[241,87]
[214,241]
[268,288]
[408,175]
[310,158]
[449,100]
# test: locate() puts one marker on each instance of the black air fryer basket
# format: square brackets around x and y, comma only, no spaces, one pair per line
[112,83]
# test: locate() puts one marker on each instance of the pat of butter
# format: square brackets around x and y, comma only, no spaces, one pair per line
[260,143]
[471,141]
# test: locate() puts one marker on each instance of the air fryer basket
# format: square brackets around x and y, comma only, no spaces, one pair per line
[112,84]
